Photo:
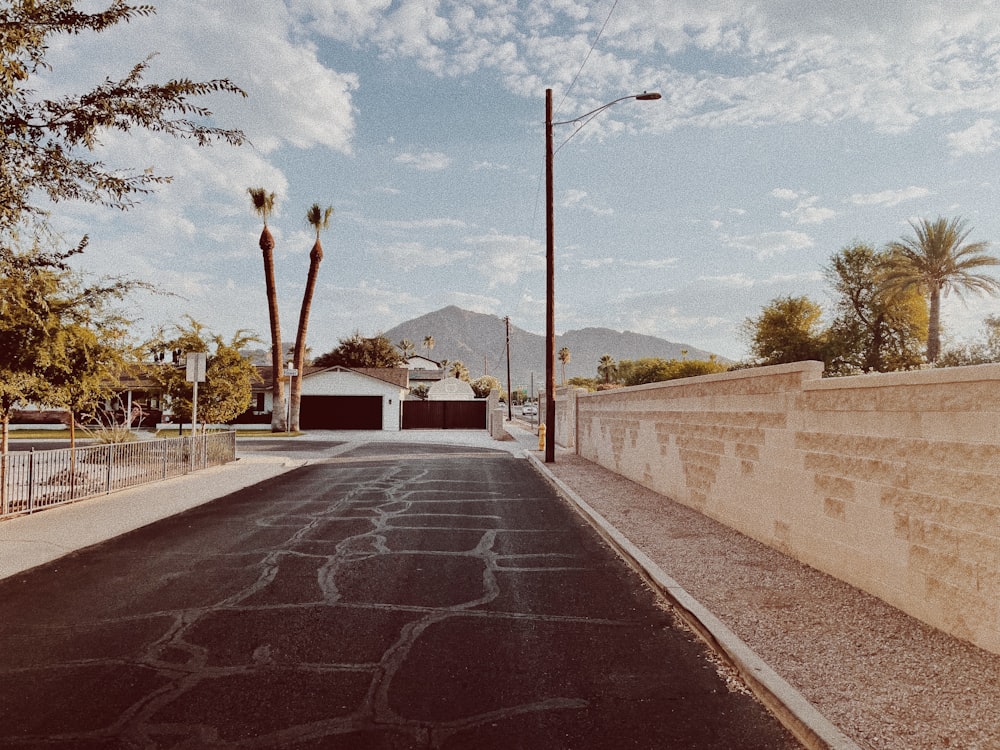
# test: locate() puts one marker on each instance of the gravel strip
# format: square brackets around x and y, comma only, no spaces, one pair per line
[883,678]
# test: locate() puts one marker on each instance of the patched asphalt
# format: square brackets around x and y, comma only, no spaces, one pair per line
[386,596]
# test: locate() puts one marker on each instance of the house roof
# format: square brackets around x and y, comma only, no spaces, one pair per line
[397,376]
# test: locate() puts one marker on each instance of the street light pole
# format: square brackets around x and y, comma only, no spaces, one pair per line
[550,299]
[550,262]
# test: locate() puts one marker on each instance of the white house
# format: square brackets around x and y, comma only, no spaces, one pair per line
[418,362]
[341,398]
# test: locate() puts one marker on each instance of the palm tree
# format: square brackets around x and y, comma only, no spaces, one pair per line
[936,261]
[263,205]
[607,370]
[564,357]
[457,369]
[406,347]
[428,343]
[318,219]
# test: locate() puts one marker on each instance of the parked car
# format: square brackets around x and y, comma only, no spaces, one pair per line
[529,410]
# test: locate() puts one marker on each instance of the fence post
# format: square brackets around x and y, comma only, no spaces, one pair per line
[4,504]
[166,450]
[111,456]
[31,480]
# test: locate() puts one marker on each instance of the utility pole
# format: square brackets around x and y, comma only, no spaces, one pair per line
[510,409]
[550,300]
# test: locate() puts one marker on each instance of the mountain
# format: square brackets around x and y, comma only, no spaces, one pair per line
[479,341]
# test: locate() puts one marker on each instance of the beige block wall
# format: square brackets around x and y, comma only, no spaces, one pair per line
[888,482]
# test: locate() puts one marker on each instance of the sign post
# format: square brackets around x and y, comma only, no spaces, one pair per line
[291,372]
[197,364]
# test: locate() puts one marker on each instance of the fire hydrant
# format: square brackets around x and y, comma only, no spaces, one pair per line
[541,437]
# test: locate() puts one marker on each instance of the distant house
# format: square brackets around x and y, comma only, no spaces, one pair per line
[417,362]
[343,398]
[424,371]
[450,389]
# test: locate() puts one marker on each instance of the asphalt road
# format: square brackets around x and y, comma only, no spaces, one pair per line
[393,596]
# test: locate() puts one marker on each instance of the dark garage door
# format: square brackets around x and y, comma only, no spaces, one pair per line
[341,413]
[444,415]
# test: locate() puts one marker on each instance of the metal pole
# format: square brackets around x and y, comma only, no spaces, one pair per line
[194,408]
[288,411]
[550,304]
[510,408]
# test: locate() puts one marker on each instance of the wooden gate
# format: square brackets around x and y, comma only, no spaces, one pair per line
[444,415]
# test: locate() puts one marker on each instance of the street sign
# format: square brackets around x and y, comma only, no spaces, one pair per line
[197,363]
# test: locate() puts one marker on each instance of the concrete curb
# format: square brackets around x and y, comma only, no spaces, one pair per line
[791,708]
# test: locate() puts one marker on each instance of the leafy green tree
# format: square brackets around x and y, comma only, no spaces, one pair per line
[319,219]
[482,386]
[27,325]
[229,376]
[90,360]
[787,330]
[263,206]
[59,343]
[936,260]
[976,353]
[873,331]
[580,382]
[47,143]
[359,351]
[656,370]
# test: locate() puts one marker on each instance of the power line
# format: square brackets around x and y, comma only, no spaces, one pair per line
[589,52]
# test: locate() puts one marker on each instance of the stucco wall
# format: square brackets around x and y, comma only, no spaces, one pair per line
[889,482]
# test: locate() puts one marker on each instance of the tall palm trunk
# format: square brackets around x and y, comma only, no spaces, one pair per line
[934,324]
[315,258]
[278,423]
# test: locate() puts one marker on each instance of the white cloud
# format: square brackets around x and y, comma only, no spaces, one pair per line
[426,161]
[475,302]
[888,64]
[889,197]
[805,211]
[649,263]
[769,244]
[440,223]
[292,98]
[784,194]
[411,255]
[979,138]
[490,167]
[592,263]
[733,280]
[578,199]
[504,258]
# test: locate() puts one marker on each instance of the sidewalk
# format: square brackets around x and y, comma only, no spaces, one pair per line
[28,541]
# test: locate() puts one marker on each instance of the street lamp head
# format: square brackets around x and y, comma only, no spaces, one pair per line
[648,96]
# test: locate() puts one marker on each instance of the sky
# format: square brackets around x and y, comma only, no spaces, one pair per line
[786,131]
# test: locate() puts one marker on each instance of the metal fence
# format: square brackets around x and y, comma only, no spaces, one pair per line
[36,480]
